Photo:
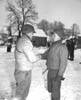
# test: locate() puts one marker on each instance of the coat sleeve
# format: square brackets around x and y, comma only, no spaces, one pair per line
[63,60]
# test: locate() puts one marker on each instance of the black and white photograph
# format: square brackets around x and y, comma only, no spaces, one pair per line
[40,49]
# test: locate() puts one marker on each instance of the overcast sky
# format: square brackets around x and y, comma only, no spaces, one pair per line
[66,11]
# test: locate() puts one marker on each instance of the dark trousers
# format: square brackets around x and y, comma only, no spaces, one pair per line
[71,54]
[53,84]
[9,48]
[23,81]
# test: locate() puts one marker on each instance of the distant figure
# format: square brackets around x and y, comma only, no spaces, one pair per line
[68,46]
[9,44]
[56,61]
[71,46]
[24,59]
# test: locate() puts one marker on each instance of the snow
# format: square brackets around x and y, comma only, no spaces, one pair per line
[37,89]
[70,88]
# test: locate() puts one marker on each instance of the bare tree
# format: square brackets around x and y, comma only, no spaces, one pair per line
[51,27]
[58,25]
[44,25]
[59,28]
[21,12]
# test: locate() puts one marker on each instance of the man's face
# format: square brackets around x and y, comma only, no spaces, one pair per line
[30,35]
[52,38]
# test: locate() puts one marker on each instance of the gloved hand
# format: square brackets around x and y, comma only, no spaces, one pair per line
[59,78]
[62,78]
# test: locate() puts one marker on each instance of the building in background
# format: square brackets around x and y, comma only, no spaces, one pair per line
[39,38]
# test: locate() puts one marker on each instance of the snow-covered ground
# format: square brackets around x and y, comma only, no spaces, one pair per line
[70,88]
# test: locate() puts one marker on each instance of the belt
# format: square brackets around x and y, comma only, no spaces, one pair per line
[18,71]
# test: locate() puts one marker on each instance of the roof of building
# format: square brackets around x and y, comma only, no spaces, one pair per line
[40,33]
